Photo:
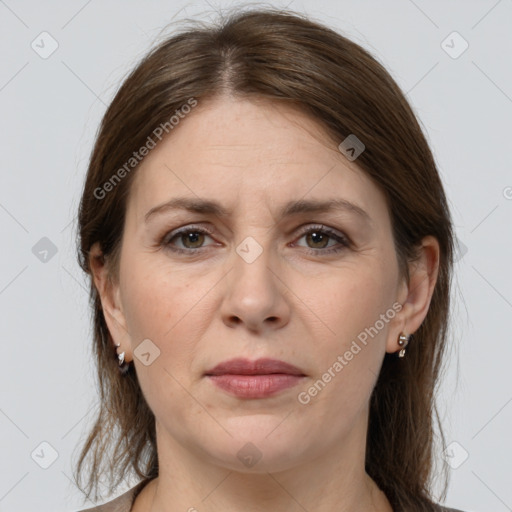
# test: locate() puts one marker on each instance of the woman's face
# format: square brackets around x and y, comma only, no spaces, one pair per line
[272,278]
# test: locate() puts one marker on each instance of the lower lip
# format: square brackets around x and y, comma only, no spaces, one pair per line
[255,386]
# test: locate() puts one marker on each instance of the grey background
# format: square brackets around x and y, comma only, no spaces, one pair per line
[50,111]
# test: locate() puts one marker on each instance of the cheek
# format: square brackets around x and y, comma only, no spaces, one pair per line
[157,305]
[166,306]
[351,336]
[150,306]
[153,296]
[346,302]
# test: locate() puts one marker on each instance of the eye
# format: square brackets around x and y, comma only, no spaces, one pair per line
[191,239]
[318,239]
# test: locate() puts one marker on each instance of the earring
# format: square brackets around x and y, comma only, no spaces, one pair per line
[123,366]
[403,340]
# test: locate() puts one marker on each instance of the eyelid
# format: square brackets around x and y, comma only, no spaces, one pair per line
[311,226]
[190,227]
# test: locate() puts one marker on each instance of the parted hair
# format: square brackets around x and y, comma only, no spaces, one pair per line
[286,57]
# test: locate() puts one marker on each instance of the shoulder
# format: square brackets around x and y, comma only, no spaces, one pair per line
[122,503]
[446,509]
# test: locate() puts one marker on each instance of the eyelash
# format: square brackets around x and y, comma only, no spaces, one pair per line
[324,230]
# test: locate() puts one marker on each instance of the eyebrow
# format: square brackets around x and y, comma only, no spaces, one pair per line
[205,206]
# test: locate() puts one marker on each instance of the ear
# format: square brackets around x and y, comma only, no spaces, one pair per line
[415,297]
[109,293]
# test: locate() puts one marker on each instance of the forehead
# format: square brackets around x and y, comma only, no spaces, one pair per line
[246,152]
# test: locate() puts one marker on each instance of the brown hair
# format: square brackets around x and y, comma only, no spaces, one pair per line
[282,56]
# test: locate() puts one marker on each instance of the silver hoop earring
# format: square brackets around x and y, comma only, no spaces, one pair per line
[403,341]
[123,365]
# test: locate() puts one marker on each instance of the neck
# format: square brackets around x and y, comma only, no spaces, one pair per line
[334,481]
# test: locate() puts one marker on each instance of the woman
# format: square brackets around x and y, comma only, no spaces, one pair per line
[270,252]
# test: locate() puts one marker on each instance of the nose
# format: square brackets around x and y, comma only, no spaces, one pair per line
[255,297]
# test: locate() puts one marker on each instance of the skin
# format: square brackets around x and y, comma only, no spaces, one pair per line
[293,303]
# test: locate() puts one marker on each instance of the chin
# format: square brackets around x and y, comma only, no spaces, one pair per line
[253,458]
[260,444]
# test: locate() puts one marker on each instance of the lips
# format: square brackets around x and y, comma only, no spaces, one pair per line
[254,379]
[265,366]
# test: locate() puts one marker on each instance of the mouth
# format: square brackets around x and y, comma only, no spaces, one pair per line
[255,379]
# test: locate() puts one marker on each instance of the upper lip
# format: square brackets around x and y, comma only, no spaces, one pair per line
[264,366]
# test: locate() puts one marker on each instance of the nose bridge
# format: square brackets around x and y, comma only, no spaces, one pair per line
[252,274]
[254,295]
